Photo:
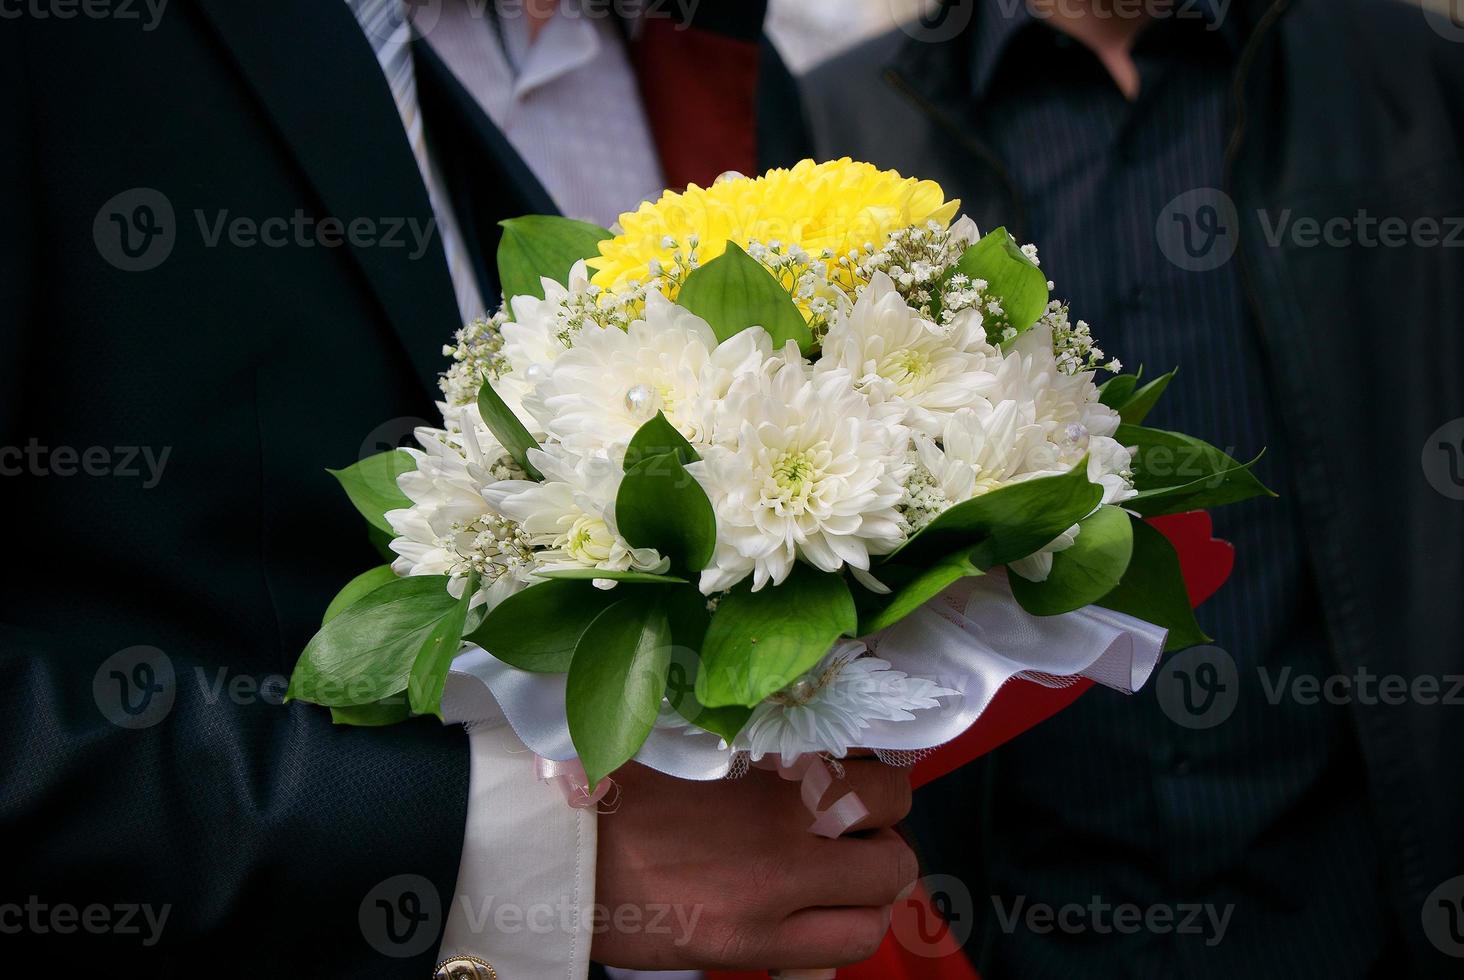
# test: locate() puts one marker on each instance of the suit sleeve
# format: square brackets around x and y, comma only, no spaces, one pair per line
[155,816]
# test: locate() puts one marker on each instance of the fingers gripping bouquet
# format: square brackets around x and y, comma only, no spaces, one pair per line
[781,467]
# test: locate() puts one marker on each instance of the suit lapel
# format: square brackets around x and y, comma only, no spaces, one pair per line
[313,70]
[487,179]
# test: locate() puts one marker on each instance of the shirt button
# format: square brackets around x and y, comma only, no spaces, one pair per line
[464,968]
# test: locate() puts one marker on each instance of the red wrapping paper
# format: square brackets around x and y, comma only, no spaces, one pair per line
[919,945]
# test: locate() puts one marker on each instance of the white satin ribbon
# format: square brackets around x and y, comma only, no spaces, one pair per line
[973,638]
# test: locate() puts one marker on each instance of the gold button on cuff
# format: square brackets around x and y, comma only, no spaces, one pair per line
[464,968]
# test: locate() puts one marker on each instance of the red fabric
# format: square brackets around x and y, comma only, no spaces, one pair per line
[700,95]
[914,951]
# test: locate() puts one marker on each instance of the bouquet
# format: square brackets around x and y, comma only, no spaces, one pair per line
[776,469]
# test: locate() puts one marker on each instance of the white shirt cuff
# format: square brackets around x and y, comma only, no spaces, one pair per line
[526,881]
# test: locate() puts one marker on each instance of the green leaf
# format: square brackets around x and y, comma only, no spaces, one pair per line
[1174,473]
[616,681]
[366,653]
[1006,524]
[734,291]
[507,428]
[372,485]
[657,438]
[537,629]
[1142,402]
[543,247]
[388,711]
[911,587]
[760,642]
[1117,390]
[1153,589]
[591,574]
[434,659]
[357,589]
[1011,278]
[686,610]
[660,505]
[1084,573]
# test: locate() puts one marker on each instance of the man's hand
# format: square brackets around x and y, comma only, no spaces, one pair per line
[742,882]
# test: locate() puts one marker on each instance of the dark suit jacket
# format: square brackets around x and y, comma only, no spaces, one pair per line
[172,291]
[1342,107]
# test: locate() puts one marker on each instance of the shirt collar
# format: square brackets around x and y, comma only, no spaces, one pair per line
[568,42]
[997,24]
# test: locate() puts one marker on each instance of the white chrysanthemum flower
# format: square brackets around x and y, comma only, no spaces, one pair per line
[816,473]
[449,529]
[570,517]
[983,449]
[538,334]
[1044,424]
[613,381]
[830,708]
[894,354]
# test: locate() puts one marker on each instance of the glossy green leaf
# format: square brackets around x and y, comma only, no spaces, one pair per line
[389,711]
[434,659]
[686,610]
[357,589]
[1084,573]
[1117,390]
[616,682]
[760,642]
[537,629]
[911,587]
[734,291]
[372,485]
[1153,589]
[1011,278]
[657,438]
[1138,406]
[507,429]
[1006,524]
[538,247]
[366,653]
[1174,473]
[661,506]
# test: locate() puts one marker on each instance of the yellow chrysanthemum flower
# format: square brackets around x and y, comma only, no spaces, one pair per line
[826,209]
